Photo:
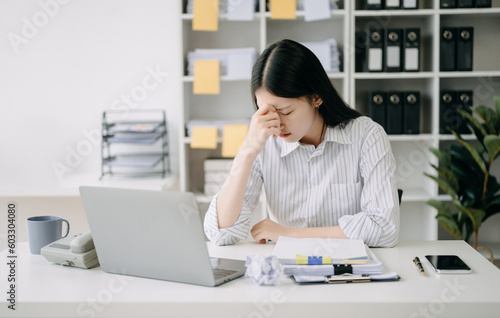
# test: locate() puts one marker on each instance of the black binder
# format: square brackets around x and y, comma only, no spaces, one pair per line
[448,4]
[411,50]
[392,4]
[411,113]
[361,43]
[448,112]
[447,52]
[395,113]
[465,3]
[378,108]
[374,4]
[393,45]
[483,3]
[464,101]
[465,47]
[375,50]
[409,4]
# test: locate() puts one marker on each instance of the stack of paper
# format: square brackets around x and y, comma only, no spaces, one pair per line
[230,7]
[333,4]
[234,63]
[327,53]
[220,124]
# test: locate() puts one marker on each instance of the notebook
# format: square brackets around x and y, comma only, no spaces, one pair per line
[153,234]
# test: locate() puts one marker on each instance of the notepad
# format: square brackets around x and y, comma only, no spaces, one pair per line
[283,9]
[206,77]
[206,15]
[292,250]
[204,137]
[233,137]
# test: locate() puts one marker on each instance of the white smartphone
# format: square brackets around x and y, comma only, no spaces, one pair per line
[448,264]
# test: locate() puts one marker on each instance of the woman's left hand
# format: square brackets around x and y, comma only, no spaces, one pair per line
[268,230]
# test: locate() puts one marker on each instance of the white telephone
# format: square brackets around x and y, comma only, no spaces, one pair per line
[74,250]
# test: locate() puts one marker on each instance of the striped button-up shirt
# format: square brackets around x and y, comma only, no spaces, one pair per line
[348,180]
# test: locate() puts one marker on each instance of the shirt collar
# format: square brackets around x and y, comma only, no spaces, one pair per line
[336,134]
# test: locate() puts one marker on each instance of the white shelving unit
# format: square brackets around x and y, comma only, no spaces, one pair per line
[411,151]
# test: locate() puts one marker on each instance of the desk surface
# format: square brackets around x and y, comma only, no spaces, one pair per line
[49,290]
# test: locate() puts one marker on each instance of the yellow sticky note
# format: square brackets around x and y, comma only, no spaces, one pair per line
[204,137]
[206,77]
[206,15]
[233,137]
[301,259]
[283,9]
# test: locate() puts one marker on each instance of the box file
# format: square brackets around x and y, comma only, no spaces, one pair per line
[395,113]
[448,4]
[392,4]
[409,4]
[447,49]
[483,3]
[393,45]
[375,48]
[374,4]
[360,43]
[411,50]
[464,101]
[411,113]
[448,112]
[378,108]
[465,47]
[465,3]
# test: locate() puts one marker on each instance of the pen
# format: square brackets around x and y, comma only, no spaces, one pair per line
[417,262]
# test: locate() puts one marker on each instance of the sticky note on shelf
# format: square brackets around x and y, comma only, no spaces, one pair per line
[283,9]
[233,137]
[206,15]
[206,77]
[204,137]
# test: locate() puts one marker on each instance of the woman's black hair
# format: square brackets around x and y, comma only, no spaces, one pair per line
[289,69]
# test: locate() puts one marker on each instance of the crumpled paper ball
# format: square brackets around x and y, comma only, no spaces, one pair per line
[264,270]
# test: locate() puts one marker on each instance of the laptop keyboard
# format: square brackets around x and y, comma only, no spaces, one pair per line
[221,272]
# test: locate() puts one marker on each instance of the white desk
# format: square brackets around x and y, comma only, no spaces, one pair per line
[48,290]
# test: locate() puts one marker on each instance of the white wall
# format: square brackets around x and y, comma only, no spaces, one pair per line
[62,63]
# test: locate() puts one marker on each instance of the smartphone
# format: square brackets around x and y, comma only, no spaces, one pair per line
[448,264]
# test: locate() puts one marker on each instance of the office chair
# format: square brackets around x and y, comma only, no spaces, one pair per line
[400,195]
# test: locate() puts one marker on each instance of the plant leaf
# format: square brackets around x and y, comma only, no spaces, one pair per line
[449,224]
[449,176]
[477,157]
[441,206]
[475,215]
[496,99]
[474,121]
[492,144]
[489,117]
[444,157]
[444,185]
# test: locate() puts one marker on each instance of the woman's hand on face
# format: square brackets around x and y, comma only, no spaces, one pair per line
[268,230]
[265,122]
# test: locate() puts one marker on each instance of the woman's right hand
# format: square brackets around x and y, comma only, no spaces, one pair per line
[265,122]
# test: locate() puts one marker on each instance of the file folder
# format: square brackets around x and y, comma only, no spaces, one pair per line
[464,101]
[392,4]
[409,4]
[447,112]
[465,47]
[411,50]
[483,3]
[411,113]
[373,4]
[378,108]
[375,48]
[448,4]
[360,44]
[395,113]
[447,49]
[393,45]
[465,3]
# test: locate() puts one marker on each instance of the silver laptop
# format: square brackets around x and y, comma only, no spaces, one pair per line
[153,234]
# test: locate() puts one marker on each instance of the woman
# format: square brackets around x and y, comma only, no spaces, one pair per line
[328,171]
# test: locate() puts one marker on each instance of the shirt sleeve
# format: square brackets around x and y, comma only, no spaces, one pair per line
[377,224]
[240,229]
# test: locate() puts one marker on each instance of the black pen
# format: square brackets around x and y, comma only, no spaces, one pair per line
[417,262]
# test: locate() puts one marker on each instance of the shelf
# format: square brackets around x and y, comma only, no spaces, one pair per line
[420,137]
[395,75]
[187,140]
[222,17]
[190,79]
[139,161]
[452,137]
[471,12]
[395,13]
[415,195]
[469,74]
[341,13]
[135,139]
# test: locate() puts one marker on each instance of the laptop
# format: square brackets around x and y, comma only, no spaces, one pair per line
[153,234]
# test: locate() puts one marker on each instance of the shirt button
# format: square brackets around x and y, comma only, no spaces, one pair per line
[312,159]
[312,222]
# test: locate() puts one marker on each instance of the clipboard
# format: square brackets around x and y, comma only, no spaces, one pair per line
[345,278]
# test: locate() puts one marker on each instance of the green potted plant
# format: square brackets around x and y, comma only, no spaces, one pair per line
[464,174]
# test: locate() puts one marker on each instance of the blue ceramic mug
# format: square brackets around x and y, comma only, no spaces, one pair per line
[43,230]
